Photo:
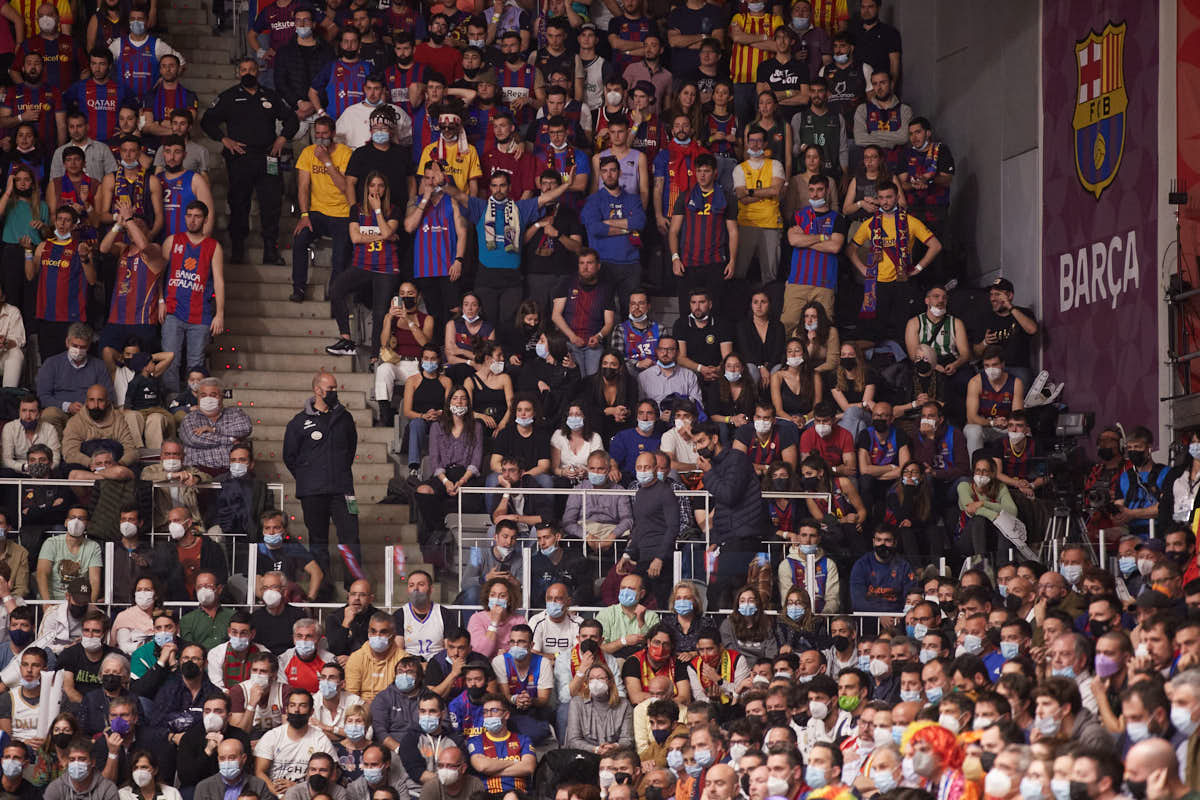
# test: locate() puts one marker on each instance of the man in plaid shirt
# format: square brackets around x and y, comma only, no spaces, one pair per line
[210,429]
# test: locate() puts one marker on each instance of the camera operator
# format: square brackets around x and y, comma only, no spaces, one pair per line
[1102,482]
[1183,485]
[1140,485]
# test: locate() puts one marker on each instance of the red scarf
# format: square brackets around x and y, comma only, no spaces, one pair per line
[681,169]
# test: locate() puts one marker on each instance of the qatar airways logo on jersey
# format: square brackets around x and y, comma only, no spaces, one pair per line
[104,104]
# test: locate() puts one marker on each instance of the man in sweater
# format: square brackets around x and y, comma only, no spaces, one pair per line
[98,420]
[655,526]
[614,218]
[64,379]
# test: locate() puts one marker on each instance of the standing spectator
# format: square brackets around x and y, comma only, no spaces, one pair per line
[816,236]
[276,22]
[439,234]
[758,183]
[878,43]
[882,120]
[36,101]
[60,54]
[252,148]
[340,83]
[614,218]
[655,516]
[98,158]
[688,25]
[436,53]
[551,244]
[821,127]
[298,62]
[324,210]
[136,54]
[753,34]
[99,96]
[211,430]
[847,78]
[12,341]
[813,44]
[580,312]
[63,266]
[926,171]
[319,447]
[881,580]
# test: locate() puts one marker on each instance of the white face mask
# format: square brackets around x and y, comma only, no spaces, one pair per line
[823,429]
[937,311]
[993,372]
[982,480]
[206,595]
[209,404]
[177,530]
[613,98]
[143,599]
[213,722]
[170,465]
[795,361]
[76,354]
[76,527]
[496,367]
[272,597]
[238,469]
[142,777]
[128,530]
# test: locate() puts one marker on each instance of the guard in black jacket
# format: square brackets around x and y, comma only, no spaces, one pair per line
[741,524]
[318,449]
[252,152]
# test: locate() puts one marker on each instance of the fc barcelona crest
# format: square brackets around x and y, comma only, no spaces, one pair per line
[1100,107]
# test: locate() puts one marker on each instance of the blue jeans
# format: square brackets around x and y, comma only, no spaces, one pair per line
[855,419]
[418,438]
[337,228]
[174,333]
[587,358]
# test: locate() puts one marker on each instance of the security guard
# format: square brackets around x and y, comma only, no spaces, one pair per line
[318,448]
[252,149]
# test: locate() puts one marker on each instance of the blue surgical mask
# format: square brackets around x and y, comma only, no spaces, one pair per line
[372,775]
[305,648]
[429,366]
[497,602]
[934,695]
[230,770]
[272,539]
[355,731]
[303,33]
[817,203]
[378,102]
[918,631]
[405,682]
[645,425]
[549,551]
[910,696]
[1194,449]
[814,776]
[864,663]
[597,478]
[1031,789]
[137,27]
[662,476]
[898,733]
[541,349]
[574,423]
[524,422]
[841,59]
[553,609]
[883,779]
[747,609]
[1065,672]
[163,638]
[518,652]
[808,549]
[704,757]
[644,476]
[379,643]
[328,689]
[733,377]
[1009,650]
[627,597]
[493,724]
[429,722]
[78,770]
[795,612]
[1060,788]
[800,23]
[381,137]
[684,606]
[1127,564]
[926,656]
[675,759]
[667,365]
[972,644]
[694,770]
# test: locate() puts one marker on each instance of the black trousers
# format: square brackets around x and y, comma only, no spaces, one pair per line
[12,278]
[318,510]
[382,286]
[247,176]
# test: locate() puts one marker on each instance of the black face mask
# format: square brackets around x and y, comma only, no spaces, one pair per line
[1098,628]
[189,670]
[476,694]
[410,303]
[655,793]
[249,81]
[1136,789]
[297,721]
[349,55]
[660,736]
[809,484]
[404,64]
[610,373]
[923,368]
[24,192]
[1012,603]
[514,58]
[706,452]
[777,719]
[61,740]
[1106,453]
[622,778]
[471,73]
[96,413]
[780,484]
[883,552]
[840,643]
[987,760]
[331,398]
[1079,791]
[949,608]
[75,611]
[20,637]
[111,683]
[849,363]
[880,425]
[318,783]
[1138,457]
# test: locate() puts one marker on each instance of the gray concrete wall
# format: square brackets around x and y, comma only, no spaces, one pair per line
[972,68]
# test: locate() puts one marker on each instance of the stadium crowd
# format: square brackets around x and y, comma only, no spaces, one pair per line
[817,442]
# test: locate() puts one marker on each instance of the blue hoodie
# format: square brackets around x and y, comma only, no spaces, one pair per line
[614,246]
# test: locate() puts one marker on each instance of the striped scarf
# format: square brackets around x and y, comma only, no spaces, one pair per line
[504,226]
[903,258]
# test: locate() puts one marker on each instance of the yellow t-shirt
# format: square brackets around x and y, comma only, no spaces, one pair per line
[765,212]
[461,167]
[887,265]
[324,197]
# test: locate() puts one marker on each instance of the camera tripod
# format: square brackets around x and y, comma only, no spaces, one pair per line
[1065,526]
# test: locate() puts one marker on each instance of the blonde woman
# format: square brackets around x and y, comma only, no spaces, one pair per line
[687,601]
[600,720]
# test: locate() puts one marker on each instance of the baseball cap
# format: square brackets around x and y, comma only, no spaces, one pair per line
[79,586]
[589,26]
[1003,284]
[487,76]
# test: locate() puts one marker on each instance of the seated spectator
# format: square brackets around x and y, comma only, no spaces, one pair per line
[229,661]
[346,628]
[496,714]
[96,712]
[24,432]
[527,682]
[16,558]
[491,390]
[846,510]
[303,665]
[749,630]
[490,627]
[406,333]
[627,621]
[180,693]
[242,499]
[188,553]
[643,437]
[186,401]
[572,444]
[456,457]
[852,385]
[600,720]
[337,710]
[162,649]
[281,552]
[882,448]
[181,484]
[425,396]
[199,744]
[551,377]
[636,338]
[609,398]
[395,709]
[608,516]
[667,377]
[655,660]
[500,557]
[766,439]
[446,673]
[69,557]
[145,395]
[135,625]
[832,443]
[256,704]
[12,342]
[372,667]
[211,430]
[677,442]
[793,571]
[515,506]
[910,508]
[980,502]
[64,379]
[80,662]
[524,442]
[102,465]
[284,753]
[992,396]
[274,620]
[881,580]
[730,397]
[797,389]
[95,421]
[62,624]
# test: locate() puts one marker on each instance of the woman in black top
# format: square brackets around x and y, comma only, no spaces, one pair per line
[909,509]
[610,397]
[520,339]
[551,375]
[731,397]
[490,389]
[424,398]
[760,339]
[853,388]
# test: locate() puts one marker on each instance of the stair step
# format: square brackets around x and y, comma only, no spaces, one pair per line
[367,437]
[294,399]
[366,476]
[398,516]
[275,292]
[283,326]
[254,271]
[268,443]
[282,345]
[298,379]
[242,306]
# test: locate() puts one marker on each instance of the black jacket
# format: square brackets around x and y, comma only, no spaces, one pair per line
[319,449]
[249,118]
[166,565]
[295,68]
[740,509]
[344,640]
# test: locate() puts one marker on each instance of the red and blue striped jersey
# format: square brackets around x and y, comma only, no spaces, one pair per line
[161,101]
[342,85]
[516,83]
[44,99]
[511,747]
[379,257]
[425,132]
[100,103]
[811,267]
[436,240]
[68,190]
[704,238]
[728,126]
[398,79]
[882,452]
[639,344]
[136,67]
[401,17]
[61,59]
[478,126]
[996,402]
[633,30]
[62,286]
[191,296]
[276,21]
[136,292]
[1017,466]
[177,194]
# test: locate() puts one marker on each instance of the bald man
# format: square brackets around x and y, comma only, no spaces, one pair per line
[1152,771]
[97,420]
[318,448]
[720,783]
